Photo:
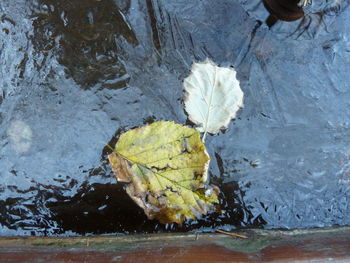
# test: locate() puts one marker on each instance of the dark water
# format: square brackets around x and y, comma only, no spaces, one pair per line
[75,74]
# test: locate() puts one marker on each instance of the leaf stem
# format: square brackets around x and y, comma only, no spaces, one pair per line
[203,138]
[109,147]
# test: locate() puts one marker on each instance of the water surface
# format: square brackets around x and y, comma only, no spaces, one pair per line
[75,74]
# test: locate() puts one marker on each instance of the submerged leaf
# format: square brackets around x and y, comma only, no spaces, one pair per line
[165,165]
[213,96]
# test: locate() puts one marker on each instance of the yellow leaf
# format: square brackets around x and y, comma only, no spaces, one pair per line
[165,165]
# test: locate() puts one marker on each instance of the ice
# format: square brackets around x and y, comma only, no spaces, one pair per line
[75,74]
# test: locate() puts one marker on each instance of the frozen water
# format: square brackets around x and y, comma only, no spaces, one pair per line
[74,74]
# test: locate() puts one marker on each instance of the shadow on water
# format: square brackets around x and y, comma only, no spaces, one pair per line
[106,208]
[84,34]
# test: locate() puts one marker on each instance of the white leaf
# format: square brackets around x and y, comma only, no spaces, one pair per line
[213,96]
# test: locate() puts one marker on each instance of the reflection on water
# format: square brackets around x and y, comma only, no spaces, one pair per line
[76,74]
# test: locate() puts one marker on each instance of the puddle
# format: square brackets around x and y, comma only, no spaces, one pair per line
[74,75]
